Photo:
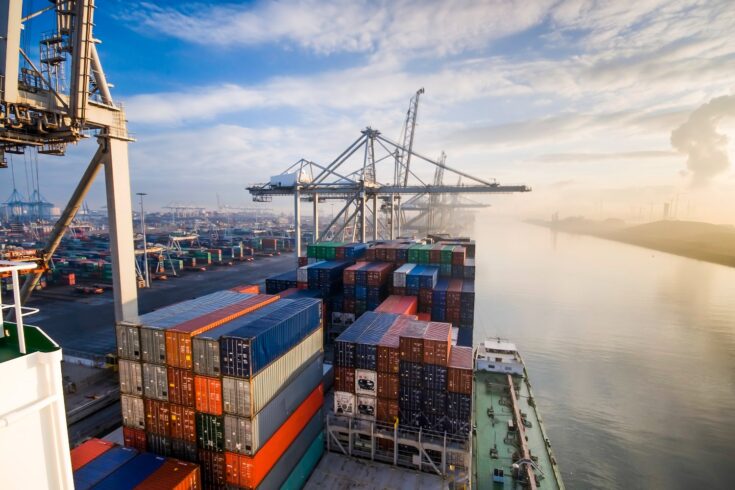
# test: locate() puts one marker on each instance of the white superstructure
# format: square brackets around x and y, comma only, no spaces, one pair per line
[498,356]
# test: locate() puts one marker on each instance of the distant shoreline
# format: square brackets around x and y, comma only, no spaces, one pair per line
[694,240]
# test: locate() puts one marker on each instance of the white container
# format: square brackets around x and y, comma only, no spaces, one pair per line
[128,340]
[133,411]
[399,275]
[366,407]
[131,377]
[366,382]
[246,397]
[290,179]
[344,403]
[155,382]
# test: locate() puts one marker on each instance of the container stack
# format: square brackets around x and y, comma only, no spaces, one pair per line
[281,282]
[224,380]
[104,465]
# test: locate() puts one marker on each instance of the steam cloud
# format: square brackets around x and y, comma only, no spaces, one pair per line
[699,139]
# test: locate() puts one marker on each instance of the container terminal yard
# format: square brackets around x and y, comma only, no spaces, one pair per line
[217,349]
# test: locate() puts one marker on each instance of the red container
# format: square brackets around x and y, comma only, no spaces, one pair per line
[458,255]
[370,254]
[453,315]
[380,252]
[249,471]
[71,279]
[454,293]
[437,343]
[208,394]
[348,275]
[378,274]
[302,261]
[173,475]
[388,386]
[344,379]
[399,291]
[388,347]
[157,417]
[180,386]
[247,289]
[400,305]
[134,438]
[86,452]
[411,342]
[348,305]
[425,298]
[212,469]
[390,253]
[435,254]
[387,411]
[459,375]
[424,317]
[302,285]
[178,338]
[183,423]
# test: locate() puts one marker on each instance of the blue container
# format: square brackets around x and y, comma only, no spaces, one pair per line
[435,377]
[361,292]
[434,401]
[413,278]
[103,465]
[301,472]
[438,314]
[355,251]
[445,270]
[178,313]
[429,276]
[344,345]
[349,291]
[457,271]
[251,348]
[366,346]
[304,293]
[411,374]
[281,282]
[439,294]
[456,426]
[459,406]
[132,473]
[464,336]
[410,399]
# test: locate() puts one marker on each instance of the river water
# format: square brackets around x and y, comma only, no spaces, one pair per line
[631,353]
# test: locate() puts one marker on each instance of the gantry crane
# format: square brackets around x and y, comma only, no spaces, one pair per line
[358,183]
[42,110]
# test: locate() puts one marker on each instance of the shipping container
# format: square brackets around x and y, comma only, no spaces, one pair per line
[183,423]
[344,345]
[388,410]
[212,467]
[210,432]
[159,444]
[459,374]
[434,401]
[344,379]
[157,417]
[131,377]
[281,282]
[128,341]
[366,345]
[134,438]
[99,468]
[366,382]
[185,450]
[208,394]
[411,374]
[133,412]
[249,471]
[459,406]
[180,386]
[173,475]
[366,407]
[247,289]
[344,403]
[305,467]
[87,451]
[437,342]
[155,381]
[246,397]
[411,342]
[464,337]
[132,473]
[400,305]
[248,350]
[388,347]
[388,386]
[248,435]
[410,399]
[206,345]
[178,338]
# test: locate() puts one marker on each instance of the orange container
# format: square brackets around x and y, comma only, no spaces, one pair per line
[178,338]
[173,475]
[208,397]
[247,289]
[86,452]
[134,438]
[424,317]
[401,305]
[180,386]
[249,471]
[157,417]
[183,423]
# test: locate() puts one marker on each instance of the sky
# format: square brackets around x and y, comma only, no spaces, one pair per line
[603,108]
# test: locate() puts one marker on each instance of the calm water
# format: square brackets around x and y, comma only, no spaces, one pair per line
[631,353]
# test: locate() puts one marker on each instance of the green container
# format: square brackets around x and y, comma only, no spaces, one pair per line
[210,432]
[447,254]
[413,254]
[304,468]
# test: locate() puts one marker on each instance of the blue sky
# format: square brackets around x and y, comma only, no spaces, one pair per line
[576,98]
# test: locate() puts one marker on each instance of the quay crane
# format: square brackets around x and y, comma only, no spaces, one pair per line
[357,184]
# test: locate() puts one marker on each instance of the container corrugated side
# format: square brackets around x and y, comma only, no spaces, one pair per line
[246,436]
[180,386]
[459,374]
[97,469]
[212,466]
[246,397]
[132,473]
[131,377]
[251,470]
[205,346]
[173,475]
[208,394]
[210,432]
[87,451]
[248,350]
[155,381]
[128,341]
[157,417]
[133,412]
[134,438]
[183,423]
[305,467]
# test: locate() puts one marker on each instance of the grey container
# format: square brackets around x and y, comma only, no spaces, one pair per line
[131,377]
[128,341]
[153,344]
[133,412]
[291,457]
[155,382]
[246,436]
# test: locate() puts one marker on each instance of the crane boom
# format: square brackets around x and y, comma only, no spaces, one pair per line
[403,156]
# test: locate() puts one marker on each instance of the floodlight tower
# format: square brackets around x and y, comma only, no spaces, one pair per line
[38,112]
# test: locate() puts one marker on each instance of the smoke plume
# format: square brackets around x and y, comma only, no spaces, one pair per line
[699,139]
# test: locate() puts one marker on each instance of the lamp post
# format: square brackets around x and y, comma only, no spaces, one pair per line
[145,242]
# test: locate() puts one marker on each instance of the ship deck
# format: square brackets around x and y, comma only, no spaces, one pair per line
[491,391]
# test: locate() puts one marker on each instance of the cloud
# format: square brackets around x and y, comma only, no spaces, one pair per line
[706,149]
[596,157]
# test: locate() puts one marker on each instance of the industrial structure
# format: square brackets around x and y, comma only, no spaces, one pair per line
[64,99]
[353,178]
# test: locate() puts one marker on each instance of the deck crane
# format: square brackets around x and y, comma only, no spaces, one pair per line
[42,110]
[403,156]
[349,178]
